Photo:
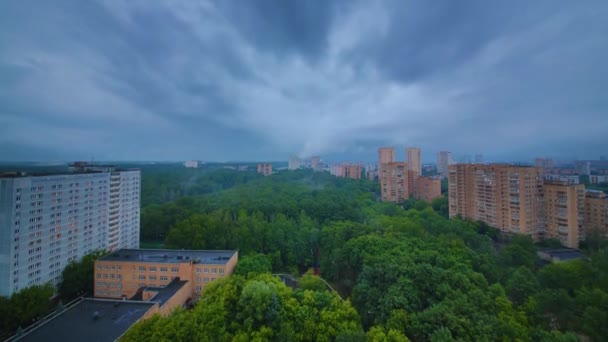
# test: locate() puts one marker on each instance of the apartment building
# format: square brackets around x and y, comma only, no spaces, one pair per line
[294,163]
[193,164]
[504,196]
[49,220]
[427,188]
[413,159]
[346,170]
[564,212]
[265,169]
[385,155]
[461,199]
[444,159]
[315,163]
[394,182]
[596,212]
[127,272]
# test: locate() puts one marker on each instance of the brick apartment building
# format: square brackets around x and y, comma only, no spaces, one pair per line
[517,199]
[130,272]
[346,170]
[265,169]
[504,196]
[596,212]
[427,188]
[564,210]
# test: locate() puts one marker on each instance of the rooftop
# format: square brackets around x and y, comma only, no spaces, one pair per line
[170,256]
[91,320]
[562,253]
[163,294]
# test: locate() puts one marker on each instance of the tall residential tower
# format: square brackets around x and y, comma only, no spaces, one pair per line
[49,220]
[413,159]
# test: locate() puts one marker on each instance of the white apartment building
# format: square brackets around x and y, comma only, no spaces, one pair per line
[191,164]
[47,221]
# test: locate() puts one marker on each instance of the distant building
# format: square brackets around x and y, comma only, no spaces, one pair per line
[598,179]
[584,168]
[385,155]
[570,179]
[504,196]
[444,159]
[191,164]
[564,210]
[414,160]
[544,163]
[596,212]
[129,272]
[315,163]
[427,188]
[346,170]
[265,169]
[294,163]
[371,172]
[49,220]
[394,182]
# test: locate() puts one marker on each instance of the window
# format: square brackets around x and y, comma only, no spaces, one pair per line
[163,278]
[142,277]
[98,275]
[206,270]
[221,271]
[198,280]
[206,280]
[214,270]
[198,288]
[152,277]
[142,268]
[163,269]
[152,268]
[174,269]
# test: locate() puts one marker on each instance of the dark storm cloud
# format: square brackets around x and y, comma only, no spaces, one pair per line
[222,80]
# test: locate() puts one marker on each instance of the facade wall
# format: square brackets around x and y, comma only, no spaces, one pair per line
[394,182]
[52,220]
[414,160]
[385,155]
[427,188]
[564,210]
[129,208]
[265,169]
[118,279]
[177,300]
[596,213]
[504,196]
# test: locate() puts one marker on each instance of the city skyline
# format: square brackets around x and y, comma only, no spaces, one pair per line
[217,81]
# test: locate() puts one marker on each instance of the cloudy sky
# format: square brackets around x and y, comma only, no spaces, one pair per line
[264,79]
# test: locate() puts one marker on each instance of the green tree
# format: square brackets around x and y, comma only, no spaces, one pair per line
[78,277]
[253,263]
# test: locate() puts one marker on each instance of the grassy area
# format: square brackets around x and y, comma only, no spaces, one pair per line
[151,244]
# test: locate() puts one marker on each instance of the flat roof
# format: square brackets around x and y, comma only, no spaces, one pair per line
[171,256]
[165,293]
[563,253]
[91,320]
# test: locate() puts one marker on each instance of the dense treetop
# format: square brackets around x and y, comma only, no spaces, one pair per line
[409,272]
